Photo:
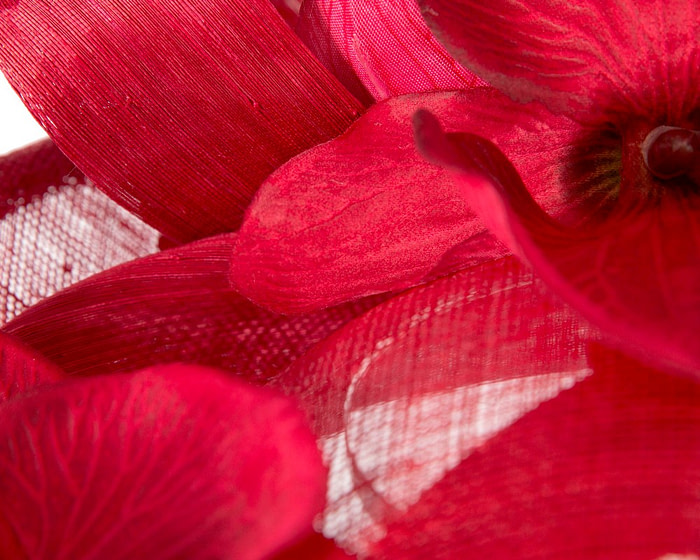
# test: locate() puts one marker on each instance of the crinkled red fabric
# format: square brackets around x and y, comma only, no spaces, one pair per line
[379,49]
[172,462]
[587,58]
[174,306]
[176,110]
[365,213]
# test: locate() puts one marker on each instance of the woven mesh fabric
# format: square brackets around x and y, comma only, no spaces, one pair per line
[57,228]
[475,417]
[400,396]
[174,306]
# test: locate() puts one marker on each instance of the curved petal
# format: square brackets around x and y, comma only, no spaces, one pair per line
[178,110]
[57,229]
[635,274]
[379,49]
[365,213]
[171,462]
[399,396]
[581,57]
[174,306]
[608,469]
[21,368]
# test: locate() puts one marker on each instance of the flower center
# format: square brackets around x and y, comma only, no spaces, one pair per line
[671,152]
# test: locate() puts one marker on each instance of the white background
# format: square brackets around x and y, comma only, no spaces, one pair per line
[17,127]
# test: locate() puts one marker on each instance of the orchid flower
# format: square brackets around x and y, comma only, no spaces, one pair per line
[619,93]
[323,290]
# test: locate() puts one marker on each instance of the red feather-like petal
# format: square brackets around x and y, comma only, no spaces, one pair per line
[178,110]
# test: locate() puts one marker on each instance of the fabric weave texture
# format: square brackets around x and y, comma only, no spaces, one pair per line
[351,279]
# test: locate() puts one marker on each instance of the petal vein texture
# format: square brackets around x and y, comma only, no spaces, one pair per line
[171,462]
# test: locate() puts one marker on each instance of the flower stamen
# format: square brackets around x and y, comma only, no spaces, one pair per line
[671,152]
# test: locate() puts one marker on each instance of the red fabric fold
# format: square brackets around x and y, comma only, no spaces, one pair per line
[171,462]
[176,110]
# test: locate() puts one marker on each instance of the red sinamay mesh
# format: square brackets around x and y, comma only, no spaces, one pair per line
[57,228]
[471,419]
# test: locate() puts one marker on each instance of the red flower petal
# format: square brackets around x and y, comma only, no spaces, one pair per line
[174,306]
[173,462]
[400,395]
[21,368]
[589,55]
[383,48]
[178,111]
[635,274]
[359,215]
[57,229]
[364,213]
[608,469]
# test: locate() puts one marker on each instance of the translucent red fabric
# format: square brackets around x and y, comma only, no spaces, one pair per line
[57,228]
[374,364]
